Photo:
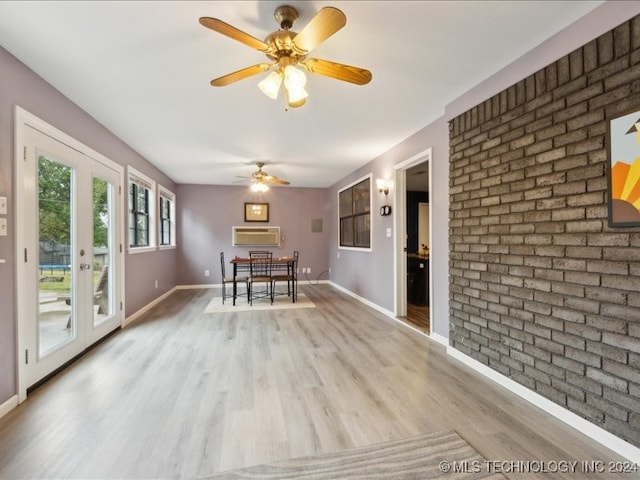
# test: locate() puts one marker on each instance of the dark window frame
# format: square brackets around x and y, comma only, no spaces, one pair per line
[166,221]
[354,212]
[136,214]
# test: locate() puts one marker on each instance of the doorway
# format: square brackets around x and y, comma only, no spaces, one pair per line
[69,232]
[413,241]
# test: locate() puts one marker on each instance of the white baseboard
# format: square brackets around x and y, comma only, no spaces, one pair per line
[362,300]
[591,430]
[439,338]
[9,405]
[131,318]
[432,336]
[193,287]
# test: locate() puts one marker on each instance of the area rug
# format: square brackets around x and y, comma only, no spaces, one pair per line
[279,302]
[436,455]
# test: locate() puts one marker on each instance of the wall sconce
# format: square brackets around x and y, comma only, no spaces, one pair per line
[383,186]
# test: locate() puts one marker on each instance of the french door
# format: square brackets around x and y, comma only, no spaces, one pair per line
[71,272]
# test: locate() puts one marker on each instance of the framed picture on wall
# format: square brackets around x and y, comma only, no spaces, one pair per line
[623,137]
[256,212]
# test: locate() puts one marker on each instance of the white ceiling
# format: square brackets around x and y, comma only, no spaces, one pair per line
[142,69]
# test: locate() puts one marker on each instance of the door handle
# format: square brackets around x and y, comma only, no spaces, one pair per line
[85,266]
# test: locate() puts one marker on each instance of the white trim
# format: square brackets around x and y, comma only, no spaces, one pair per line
[431,336]
[439,338]
[22,119]
[8,405]
[134,250]
[134,176]
[139,178]
[589,429]
[169,195]
[399,239]
[362,299]
[134,316]
[195,287]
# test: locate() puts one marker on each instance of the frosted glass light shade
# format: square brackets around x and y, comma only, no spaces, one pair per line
[270,86]
[259,187]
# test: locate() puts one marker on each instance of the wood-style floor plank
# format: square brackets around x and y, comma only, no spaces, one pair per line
[184,394]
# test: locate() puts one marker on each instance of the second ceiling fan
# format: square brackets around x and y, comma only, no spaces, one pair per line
[260,180]
[288,52]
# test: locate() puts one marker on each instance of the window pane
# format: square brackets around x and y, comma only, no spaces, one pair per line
[362,230]
[361,197]
[142,238]
[346,203]
[346,232]
[141,200]
[164,208]
[165,233]
[142,226]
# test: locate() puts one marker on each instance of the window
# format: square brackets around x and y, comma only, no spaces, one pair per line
[355,214]
[167,233]
[141,211]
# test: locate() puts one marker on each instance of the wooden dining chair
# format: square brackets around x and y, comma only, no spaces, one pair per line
[231,280]
[260,269]
[291,277]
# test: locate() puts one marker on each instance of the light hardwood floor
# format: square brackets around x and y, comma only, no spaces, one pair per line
[182,394]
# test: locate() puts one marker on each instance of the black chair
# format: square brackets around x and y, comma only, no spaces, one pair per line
[231,280]
[260,272]
[291,277]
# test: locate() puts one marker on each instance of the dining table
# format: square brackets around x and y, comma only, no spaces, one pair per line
[243,264]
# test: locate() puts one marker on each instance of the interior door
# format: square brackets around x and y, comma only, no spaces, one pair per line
[70,253]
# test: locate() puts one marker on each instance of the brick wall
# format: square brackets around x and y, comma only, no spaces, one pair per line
[541,288]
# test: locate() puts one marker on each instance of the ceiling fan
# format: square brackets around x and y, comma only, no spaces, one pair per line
[260,179]
[288,52]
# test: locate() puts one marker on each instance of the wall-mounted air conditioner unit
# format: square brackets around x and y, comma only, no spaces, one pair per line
[256,237]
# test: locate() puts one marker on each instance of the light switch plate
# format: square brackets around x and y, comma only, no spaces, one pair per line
[3,227]
[388,232]
[3,205]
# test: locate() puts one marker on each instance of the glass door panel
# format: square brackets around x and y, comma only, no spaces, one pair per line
[71,269]
[55,306]
[103,242]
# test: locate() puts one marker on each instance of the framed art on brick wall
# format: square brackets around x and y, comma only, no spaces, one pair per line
[623,135]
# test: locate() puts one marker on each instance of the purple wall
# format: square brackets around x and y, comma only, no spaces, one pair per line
[21,86]
[371,274]
[206,214]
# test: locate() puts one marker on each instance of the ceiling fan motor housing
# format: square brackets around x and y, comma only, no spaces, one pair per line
[285,15]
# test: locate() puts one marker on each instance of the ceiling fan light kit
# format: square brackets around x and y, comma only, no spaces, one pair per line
[259,187]
[260,180]
[288,52]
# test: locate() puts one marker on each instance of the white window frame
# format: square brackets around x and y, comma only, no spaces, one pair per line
[134,176]
[169,195]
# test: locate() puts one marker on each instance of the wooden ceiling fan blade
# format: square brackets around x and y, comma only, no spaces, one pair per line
[325,23]
[240,75]
[272,179]
[233,33]
[346,73]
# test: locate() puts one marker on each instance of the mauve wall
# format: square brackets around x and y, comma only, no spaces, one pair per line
[21,86]
[206,214]
[371,274]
